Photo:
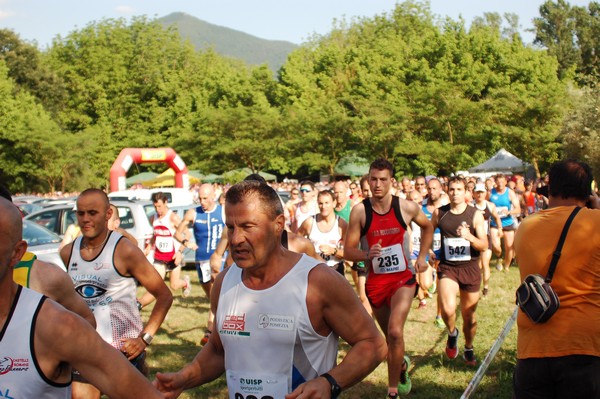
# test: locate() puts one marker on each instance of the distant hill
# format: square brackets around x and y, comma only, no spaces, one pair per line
[230,42]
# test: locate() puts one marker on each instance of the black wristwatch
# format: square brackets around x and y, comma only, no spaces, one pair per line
[335,388]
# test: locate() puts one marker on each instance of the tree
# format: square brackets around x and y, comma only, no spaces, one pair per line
[581,129]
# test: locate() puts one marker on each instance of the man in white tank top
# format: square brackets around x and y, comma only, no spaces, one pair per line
[60,338]
[326,231]
[104,267]
[278,315]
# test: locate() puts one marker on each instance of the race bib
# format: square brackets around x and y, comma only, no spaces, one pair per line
[502,211]
[437,241]
[391,260]
[256,386]
[164,244]
[457,249]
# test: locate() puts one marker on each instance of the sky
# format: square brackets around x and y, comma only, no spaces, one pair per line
[290,20]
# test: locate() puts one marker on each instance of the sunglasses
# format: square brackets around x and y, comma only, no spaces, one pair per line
[305,190]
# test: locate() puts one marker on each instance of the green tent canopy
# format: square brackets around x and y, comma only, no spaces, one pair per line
[247,171]
[353,166]
[140,178]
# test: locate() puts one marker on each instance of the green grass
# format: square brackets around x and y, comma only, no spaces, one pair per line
[432,374]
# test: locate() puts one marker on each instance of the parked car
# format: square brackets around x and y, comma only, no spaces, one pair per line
[175,196]
[135,218]
[43,243]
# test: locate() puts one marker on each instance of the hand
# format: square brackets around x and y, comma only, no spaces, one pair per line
[171,384]
[374,251]
[193,247]
[178,257]
[421,265]
[132,347]
[318,388]
[326,249]
[500,233]
[464,230]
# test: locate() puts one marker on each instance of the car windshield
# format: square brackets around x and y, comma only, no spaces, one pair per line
[37,235]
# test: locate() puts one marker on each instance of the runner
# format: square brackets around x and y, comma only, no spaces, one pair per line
[326,231]
[507,206]
[391,285]
[463,237]
[165,249]
[104,268]
[207,223]
[279,315]
[308,206]
[488,211]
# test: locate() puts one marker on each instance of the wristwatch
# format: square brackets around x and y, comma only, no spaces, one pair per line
[335,388]
[147,338]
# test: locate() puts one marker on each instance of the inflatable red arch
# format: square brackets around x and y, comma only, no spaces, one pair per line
[129,156]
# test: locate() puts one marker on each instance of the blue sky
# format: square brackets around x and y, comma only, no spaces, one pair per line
[290,20]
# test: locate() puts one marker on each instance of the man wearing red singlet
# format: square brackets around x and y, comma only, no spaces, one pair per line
[391,284]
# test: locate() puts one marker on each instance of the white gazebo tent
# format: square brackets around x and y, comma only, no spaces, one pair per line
[502,162]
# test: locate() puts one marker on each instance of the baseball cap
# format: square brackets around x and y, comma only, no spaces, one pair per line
[480,187]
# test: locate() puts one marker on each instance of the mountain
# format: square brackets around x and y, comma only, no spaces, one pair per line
[230,42]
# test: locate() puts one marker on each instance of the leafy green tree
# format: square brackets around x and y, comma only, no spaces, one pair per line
[581,129]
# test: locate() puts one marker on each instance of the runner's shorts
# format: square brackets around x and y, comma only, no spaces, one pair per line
[468,276]
[381,292]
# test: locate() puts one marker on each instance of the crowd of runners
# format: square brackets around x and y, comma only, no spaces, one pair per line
[275,276]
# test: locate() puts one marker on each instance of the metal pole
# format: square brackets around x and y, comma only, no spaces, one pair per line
[490,356]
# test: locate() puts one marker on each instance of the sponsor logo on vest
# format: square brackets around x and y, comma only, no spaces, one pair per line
[234,325]
[275,322]
[8,364]
[5,393]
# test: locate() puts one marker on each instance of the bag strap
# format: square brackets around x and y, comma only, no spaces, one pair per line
[561,241]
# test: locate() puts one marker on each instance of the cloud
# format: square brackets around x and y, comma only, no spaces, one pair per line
[125,9]
[6,14]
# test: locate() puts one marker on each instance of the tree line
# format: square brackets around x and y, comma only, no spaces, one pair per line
[428,93]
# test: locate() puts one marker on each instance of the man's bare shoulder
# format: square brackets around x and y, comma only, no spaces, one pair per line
[48,278]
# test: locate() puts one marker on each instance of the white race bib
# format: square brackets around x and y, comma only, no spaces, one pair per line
[437,241]
[391,260]
[457,249]
[164,244]
[256,386]
[502,211]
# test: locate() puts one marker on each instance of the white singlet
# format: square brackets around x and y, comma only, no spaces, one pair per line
[269,342]
[20,376]
[110,295]
[301,216]
[331,238]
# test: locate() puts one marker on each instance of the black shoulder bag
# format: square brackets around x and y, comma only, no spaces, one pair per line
[535,297]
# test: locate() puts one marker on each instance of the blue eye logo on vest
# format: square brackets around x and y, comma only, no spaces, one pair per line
[90,291]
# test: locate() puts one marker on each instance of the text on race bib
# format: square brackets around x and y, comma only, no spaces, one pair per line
[457,249]
[391,260]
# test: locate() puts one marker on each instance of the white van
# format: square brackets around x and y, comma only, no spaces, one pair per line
[175,196]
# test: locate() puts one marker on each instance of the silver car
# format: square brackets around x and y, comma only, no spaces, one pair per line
[135,217]
[43,243]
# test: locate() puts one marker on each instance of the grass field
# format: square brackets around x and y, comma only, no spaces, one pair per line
[433,374]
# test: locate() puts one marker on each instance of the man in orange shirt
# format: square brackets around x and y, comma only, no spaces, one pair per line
[561,358]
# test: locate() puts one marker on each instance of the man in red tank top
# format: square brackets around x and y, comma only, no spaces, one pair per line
[391,286]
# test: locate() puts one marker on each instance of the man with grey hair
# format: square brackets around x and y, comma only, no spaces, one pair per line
[278,314]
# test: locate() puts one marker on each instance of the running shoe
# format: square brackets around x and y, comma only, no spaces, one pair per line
[499,265]
[422,304]
[404,386]
[392,395]
[469,357]
[205,339]
[432,288]
[187,289]
[451,345]
[484,292]
[439,322]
